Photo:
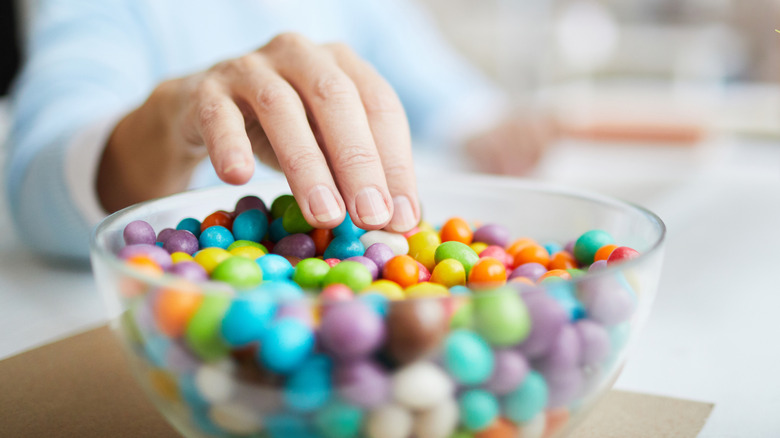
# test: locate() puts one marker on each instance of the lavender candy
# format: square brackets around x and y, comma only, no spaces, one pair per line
[564,353]
[296,245]
[154,252]
[164,234]
[531,271]
[563,386]
[509,372]
[351,330]
[594,340]
[181,241]
[492,234]
[379,253]
[189,270]
[608,299]
[547,319]
[368,263]
[138,232]
[362,383]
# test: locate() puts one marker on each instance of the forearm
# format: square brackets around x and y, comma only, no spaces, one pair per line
[146,157]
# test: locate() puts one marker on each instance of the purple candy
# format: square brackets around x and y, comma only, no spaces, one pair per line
[362,383]
[368,263]
[594,340]
[569,247]
[563,386]
[564,353]
[531,271]
[606,299]
[351,330]
[164,234]
[300,311]
[547,318]
[159,255]
[138,232]
[250,203]
[492,234]
[189,270]
[379,253]
[597,266]
[181,241]
[508,373]
[296,245]
[180,360]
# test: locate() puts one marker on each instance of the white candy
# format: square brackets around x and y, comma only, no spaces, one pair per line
[396,242]
[235,418]
[389,421]
[421,385]
[214,382]
[534,428]
[438,422]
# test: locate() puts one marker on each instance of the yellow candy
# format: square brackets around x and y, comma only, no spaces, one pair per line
[389,289]
[421,240]
[249,252]
[179,257]
[425,226]
[164,384]
[427,257]
[449,272]
[478,247]
[426,290]
[209,258]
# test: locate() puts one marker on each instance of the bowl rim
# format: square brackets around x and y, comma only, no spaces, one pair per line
[210,286]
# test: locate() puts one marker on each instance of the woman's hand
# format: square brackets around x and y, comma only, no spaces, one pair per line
[318,112]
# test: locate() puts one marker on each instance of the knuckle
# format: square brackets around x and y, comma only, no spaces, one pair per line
[356,157]
[273,95]
[340,50]
[381,100]
[301,161]
[209,113]
[398,171]
[287,40]
[333,86]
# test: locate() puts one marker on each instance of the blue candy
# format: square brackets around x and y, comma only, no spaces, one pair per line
[343,247]
[309,387]
[276,231]
[275,267]
[250,225]
[216,236]
[190,224]
[563,292]
[286,345]
[552,247]
[248,318]
[348,228]
[378,301]
[281,290]
[527,401]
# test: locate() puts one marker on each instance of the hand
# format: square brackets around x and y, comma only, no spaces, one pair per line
[324,116]
[514,146]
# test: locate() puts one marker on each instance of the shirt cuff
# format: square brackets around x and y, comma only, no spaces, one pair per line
[82,158]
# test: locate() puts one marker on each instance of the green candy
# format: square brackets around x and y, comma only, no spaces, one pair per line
[586,245]
[463,316]
[241,243]
[293,221]
[309,273]
[240,272]
[339,420]
[574,272]
[280,204]
[203,331]
[458,251]
[501,317]
[351,274]
[462,434]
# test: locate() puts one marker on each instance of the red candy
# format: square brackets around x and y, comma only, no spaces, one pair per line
[622,253]
[219,217]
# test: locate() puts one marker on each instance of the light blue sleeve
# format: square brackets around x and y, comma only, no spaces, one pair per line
[85,59]
[435,83]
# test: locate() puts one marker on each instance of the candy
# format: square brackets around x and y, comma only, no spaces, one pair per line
[250,202]
[478,409]
[181,241]
[532,253]
[339,420]
[239,272]
[402,269]
[396,242]
[487,273]
[621,254]
[594,341]
[286,344]
[218,218]
[293,220]
[351,274]
[309,387]
[532,271]
[564,353]
[501,317]
[336,292]
[344,246]
[351,330]
[456,230]
[214,382]
[209,258]
[468,357]
[604,252]
[276,231]
[588,243]
[362,383]
[247,318]
[547,319]
[458,251]
[321,238]
[235,418]
[310,273]
[250,225]
[387,288]
[509,371]
[414,329]
[216,236]
[280,205]
[163,235]
[157,254]
[562,260]
[379,253]
[437,422]
[203,329]
[348,228]
[389,421]
[139,232]
[275,267]
[174,306]
[421,386]
[501,428]
[449,272]
[295,245]
[492,234]
[527,401]
[368,263]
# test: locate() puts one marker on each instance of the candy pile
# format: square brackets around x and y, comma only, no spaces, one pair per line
[341,333]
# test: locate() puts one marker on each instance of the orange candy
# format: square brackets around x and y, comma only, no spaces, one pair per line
[556,273]
[604,252]
[220,217]
[402,269]
[321,239]
[532,253]
[458,230]
[555,421]
[500,428]
[518,244]
[145,264]
[175,306]
[524,280]
[562,260]
[487,273]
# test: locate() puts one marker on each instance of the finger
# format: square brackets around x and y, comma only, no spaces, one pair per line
[335,105]
[390,129]
[281,115]
[221,126]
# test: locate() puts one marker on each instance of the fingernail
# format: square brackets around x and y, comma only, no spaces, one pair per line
[235,161]
[323,204]
[403,215]
[371,208]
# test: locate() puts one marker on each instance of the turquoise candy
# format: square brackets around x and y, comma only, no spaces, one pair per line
[276,231]
[339,420]
[275,267]
[216,236]
[344,247]
[478,409]
[286,345]
[458,251]
[563,292]
[285,425]
[248,318]
[586,245]
[527,401]
[203,334]
[468,357]
[348,228]
[309,387]
[501,317]
[190,224]
[293,220]
[354,275]
[250,225]
[281,290]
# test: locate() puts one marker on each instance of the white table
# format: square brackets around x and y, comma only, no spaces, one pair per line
[709,337]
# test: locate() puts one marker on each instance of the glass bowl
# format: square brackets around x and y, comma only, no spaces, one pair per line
[520,360]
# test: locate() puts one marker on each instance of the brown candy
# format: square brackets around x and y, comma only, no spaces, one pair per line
[415,328]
